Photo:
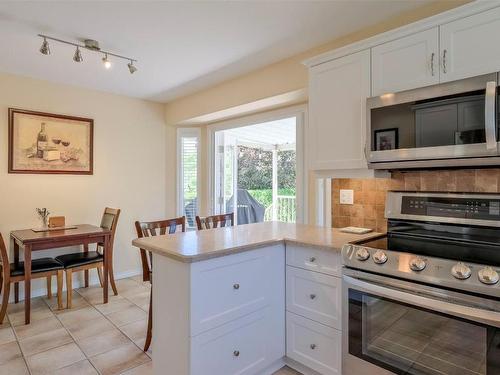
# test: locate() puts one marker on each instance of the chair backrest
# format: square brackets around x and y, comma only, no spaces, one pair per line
[209,222]
[110,221]
[155,228]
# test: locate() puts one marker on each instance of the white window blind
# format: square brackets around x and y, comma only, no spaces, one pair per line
[188,176]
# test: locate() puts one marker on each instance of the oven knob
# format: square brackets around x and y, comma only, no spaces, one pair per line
[417,264]
[461,271]
[362,254]
[379,257]
[488,276]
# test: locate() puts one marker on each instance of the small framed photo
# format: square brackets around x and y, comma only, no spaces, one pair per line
[46,143]
[386,139]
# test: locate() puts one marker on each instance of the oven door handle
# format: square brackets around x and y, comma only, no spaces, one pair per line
[488,317]
[490,125]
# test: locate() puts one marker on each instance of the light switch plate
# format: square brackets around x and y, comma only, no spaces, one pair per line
[346,196]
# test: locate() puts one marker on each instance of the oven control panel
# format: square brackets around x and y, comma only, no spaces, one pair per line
[463,208]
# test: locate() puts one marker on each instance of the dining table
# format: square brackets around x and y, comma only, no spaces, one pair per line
[30,240]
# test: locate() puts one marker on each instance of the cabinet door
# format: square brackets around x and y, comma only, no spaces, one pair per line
[406,63]
[337,102]
[469,46]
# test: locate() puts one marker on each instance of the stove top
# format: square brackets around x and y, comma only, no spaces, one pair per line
[444,245]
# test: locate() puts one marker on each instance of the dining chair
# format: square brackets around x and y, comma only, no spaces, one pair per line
[149,229]
[87,260]
[40,268]
[215,221]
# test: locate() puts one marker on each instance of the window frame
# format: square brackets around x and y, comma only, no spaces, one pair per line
[187,133]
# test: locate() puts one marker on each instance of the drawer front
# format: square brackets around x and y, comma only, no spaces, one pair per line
[314,345]
[319,260]
[314,296]
[245,346]
[227,288]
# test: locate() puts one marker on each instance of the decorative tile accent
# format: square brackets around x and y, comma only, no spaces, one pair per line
[370,194]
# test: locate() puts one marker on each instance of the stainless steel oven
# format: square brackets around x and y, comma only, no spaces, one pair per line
[393,326]
[449,124]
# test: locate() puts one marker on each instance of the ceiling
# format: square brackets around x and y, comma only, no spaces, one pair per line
[182,46]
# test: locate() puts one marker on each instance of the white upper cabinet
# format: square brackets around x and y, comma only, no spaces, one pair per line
[406,63]
[337,102]
[469,46]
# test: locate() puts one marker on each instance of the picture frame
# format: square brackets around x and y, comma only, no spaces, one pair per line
[48,143]
[386,139]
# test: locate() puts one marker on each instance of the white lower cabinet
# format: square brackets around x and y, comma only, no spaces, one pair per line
[315,296]
[244,347]
[313,344]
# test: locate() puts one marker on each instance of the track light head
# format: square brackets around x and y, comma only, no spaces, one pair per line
[45,49]
[106,62]
[132,69]
[77,57]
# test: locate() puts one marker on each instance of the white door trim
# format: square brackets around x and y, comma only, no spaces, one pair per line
[300,112]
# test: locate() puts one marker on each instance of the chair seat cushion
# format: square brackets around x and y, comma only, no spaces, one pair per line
[79,259]
[37,265]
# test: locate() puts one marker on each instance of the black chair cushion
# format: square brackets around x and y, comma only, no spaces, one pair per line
[79,259]
[37,265]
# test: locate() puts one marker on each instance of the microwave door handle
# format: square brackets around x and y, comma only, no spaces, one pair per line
[489,115]
[488,317]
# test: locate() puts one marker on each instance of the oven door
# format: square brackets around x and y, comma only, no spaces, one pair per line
[399,327]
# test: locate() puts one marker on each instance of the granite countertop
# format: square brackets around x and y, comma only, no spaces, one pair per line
[196,246]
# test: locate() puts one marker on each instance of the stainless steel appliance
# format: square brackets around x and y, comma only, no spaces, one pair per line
[425,298]
[450,124]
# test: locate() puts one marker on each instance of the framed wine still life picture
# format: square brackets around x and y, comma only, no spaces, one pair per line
[45,143]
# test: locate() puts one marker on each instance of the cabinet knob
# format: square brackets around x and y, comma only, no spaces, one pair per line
[313,346]
[236,286]
[312,259]
[236,353]
[312,296]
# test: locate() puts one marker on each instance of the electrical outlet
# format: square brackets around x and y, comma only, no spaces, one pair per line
[346,196]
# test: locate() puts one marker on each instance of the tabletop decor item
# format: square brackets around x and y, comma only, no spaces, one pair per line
[43,214]
[386,139]
[57,221]
[44,143]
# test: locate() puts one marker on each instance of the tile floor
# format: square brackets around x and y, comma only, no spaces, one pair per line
[91,338]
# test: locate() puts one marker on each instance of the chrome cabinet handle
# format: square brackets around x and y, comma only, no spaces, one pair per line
[312,346]
[312,259]
[432,63]
[236,286]
[312,296]
[444,61]
[236,353]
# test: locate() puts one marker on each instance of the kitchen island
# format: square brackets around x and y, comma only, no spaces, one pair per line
[239,300]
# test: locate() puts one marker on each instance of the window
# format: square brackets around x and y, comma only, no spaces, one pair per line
[188,157]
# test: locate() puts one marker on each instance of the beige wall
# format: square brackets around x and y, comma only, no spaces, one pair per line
[130,167]
[284,76]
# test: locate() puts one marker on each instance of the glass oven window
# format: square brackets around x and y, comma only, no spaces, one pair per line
[409,340]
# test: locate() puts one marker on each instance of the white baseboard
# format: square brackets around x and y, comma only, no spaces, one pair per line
[39,286]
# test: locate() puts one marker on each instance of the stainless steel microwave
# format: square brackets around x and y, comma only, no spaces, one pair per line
[445,125]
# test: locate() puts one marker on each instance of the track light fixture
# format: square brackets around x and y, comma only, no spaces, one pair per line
[132,69]
[91,45]
[45,49]
[78,55]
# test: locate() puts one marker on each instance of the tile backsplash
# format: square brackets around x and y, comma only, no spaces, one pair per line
[369,194]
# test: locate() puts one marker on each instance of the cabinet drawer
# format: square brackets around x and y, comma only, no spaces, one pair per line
[224,289]
[314,345]
[319,260]
[315,296]
[245,346]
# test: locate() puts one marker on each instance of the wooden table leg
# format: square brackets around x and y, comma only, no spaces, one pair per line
[106,270]
[27,283]
[14,245]
[86,272]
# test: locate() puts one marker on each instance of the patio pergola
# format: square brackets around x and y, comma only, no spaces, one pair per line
[273,136]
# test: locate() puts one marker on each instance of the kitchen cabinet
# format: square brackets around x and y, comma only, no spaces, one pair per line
[469,46]
[406,63]
[337,121]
